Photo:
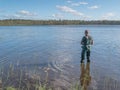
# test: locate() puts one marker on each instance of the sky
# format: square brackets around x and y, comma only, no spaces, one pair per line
[60,9]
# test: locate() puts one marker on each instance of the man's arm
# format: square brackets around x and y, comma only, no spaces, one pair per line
[82,41]
[92,42]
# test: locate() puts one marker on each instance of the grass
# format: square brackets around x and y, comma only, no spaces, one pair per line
[17,80]
[10,88]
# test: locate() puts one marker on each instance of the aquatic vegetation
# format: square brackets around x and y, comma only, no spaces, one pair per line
[20,79]
[10,88]
[46,71]
[14,78]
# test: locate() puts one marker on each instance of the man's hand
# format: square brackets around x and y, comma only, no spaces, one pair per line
[92,42]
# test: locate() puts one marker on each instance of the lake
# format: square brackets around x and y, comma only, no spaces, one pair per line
[58,47]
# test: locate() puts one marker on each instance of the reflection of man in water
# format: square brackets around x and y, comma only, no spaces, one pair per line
[85,77]
[86,42]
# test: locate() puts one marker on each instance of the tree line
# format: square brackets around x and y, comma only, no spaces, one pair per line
[10,22]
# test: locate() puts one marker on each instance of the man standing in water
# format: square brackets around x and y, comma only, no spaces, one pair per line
[86,42]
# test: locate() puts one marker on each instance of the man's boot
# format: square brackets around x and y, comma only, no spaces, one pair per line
[82,61]
[88,59]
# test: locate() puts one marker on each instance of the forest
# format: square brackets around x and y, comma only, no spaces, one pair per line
[22,22]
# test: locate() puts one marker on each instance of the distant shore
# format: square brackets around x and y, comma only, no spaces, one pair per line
[22,22]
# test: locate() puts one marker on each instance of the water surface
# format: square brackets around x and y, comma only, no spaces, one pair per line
[58,47]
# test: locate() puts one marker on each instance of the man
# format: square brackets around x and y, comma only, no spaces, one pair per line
[86,42]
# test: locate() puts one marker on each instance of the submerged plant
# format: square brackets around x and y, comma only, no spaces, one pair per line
[20,79]
[46,71]
[10,88]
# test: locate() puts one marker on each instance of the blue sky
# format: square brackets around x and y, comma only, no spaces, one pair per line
[60,9]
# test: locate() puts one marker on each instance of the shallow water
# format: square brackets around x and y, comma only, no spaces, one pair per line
[58,47]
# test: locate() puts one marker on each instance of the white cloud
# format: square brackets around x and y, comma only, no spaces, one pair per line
[26,13]
[69,1]
[108,15]
[79,3]
[23,14]
[59,16]
[69,10]
[20,15]
[84,3]
[13,16]
[16,16]
[87,17]
[94,7]
[75,4]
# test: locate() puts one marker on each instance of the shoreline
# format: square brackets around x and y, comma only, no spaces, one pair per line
[26,79]
[21,79]
[22,22]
